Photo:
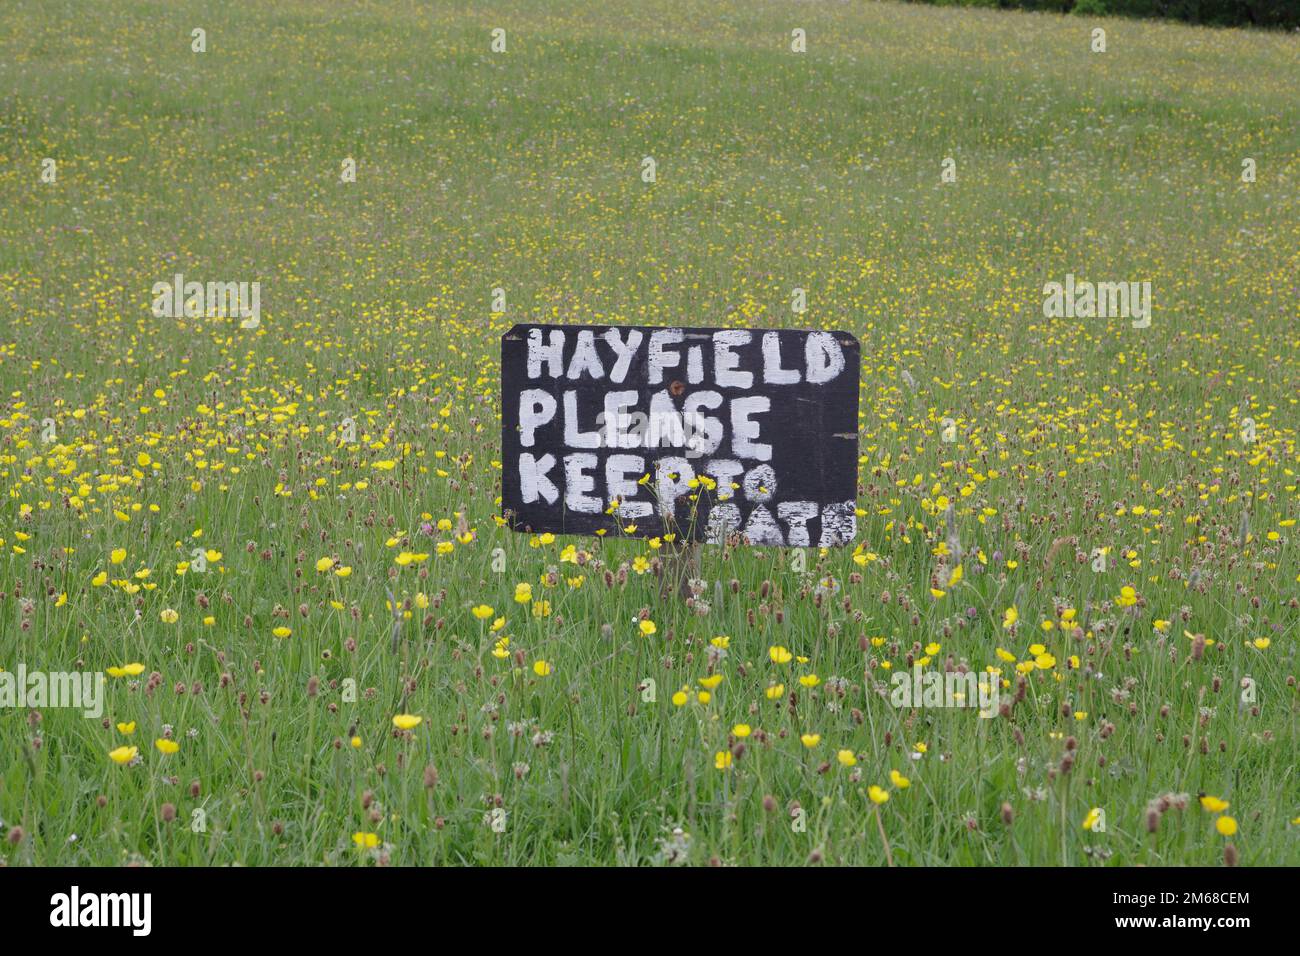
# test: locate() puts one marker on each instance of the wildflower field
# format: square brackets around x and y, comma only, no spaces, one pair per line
[279,544]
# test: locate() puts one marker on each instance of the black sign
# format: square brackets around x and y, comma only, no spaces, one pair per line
[704,433]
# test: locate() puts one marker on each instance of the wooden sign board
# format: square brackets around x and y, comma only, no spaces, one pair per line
[705,433]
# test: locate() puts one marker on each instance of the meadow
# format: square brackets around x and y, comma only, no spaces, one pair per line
[282,546]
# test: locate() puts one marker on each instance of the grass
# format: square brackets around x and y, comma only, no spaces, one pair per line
[521,170]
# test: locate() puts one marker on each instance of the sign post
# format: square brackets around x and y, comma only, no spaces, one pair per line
[704,435]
